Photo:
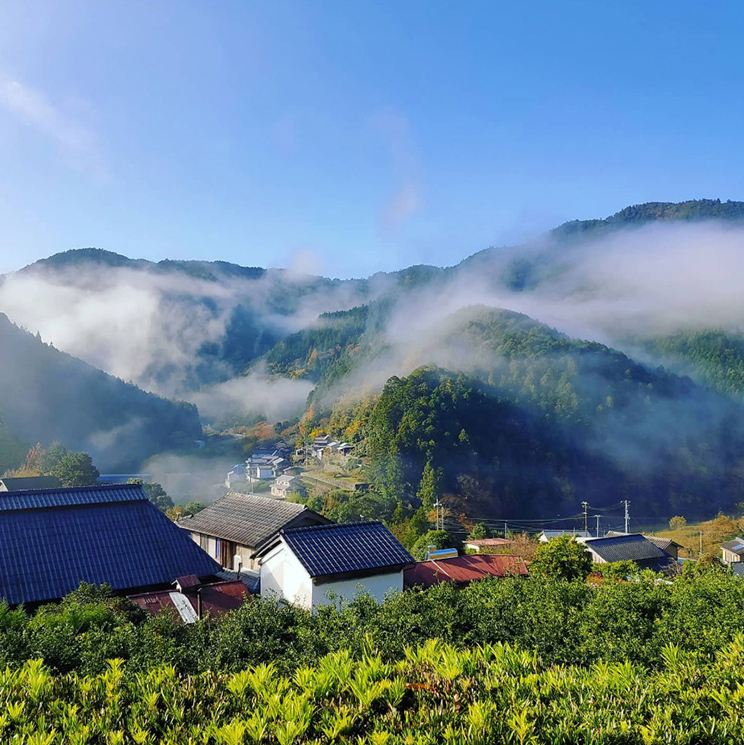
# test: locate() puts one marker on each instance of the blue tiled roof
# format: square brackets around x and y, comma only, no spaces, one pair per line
[351,547]
[52,540]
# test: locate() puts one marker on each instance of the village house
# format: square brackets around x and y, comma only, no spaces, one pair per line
[283,485]
[322,564]
[233,528]
[667,545]
[463,570]
[732,551]
[237,474]
[627,547]
[52,540]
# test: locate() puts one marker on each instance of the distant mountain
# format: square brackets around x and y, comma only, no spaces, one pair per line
[694,210]
[47,395]
[659,421]
[540,422]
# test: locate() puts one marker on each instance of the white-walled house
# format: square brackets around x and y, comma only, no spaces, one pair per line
[321,564]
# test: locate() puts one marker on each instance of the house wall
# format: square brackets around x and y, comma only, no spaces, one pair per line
[729,557]
[209,544]
[377,586]
[284,577]
[244,552]
[596,558]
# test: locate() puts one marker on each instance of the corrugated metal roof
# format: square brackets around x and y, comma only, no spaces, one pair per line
[247,519]
[347,547]
[52,540]
[463,569]
[217,598]
[633,547]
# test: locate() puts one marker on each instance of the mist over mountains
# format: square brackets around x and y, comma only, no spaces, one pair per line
[619,340]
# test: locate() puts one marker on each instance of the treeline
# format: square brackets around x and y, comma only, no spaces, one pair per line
[562,622]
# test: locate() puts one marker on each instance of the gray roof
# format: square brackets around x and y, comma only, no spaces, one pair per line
[26,483]
[247,519]
[558,533]
[735,546]
[633,547]
[663,543]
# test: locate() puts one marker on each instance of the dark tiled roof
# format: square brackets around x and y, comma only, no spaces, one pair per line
[52,540]
[23,483]
[633,547]
[247,519]
[348,547]
[463,569]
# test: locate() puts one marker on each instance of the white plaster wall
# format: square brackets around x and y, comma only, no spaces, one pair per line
[284,577]
[377,586]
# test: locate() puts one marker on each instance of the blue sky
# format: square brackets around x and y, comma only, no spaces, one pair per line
[346,138]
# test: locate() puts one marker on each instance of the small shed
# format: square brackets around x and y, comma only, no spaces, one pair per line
[320,564]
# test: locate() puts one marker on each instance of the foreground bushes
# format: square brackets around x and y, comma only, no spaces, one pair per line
[562,622]
[435,693]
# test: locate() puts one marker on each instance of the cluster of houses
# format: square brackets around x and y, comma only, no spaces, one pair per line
[267,462]
[212,562]
[324,447]
[52,539]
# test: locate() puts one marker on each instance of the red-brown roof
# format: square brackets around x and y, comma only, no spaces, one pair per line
[216,598]
[463,569]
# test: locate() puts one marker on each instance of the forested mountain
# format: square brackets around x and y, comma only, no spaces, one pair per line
[530,333]
[713,357]
[47,395]
[542,421]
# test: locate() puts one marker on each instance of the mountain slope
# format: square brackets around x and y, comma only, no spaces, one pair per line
[46,395]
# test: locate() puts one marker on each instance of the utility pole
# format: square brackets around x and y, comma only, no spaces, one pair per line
[585,505]
[627,515]
[437,504]
[597,518]
[701,542]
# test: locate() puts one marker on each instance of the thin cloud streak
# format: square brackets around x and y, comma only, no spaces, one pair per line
[77,142]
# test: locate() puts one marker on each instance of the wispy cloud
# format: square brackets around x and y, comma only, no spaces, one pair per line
[407,199]
[76,141]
